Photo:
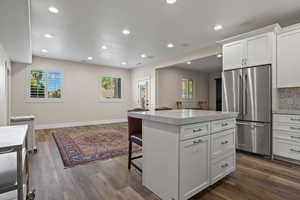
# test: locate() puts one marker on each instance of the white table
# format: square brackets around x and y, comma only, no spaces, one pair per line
[12,153]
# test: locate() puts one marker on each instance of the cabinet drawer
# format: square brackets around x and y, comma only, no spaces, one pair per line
[287,127]
[286,135]
[293,119]
[222,142]
[286,149]
[194,130]
[222,125]
[222,167]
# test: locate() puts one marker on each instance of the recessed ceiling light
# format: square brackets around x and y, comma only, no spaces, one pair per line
[188,62]
[54,10]
[218,27]
[124,63]
[47,35]
[219,55]
[144,56]
[171,1]
[170,45]
[90,58]
[104,47]
[44,50]
[126,32]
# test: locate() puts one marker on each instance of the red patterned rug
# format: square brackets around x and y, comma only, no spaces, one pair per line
[79,145]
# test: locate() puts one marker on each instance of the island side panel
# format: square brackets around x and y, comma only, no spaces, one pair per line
[160,159]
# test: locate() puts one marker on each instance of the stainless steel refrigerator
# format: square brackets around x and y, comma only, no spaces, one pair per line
[248,91]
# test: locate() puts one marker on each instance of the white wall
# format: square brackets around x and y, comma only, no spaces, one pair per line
[81,94]
[212,89]
[150,70]
[4,87]
[169,85]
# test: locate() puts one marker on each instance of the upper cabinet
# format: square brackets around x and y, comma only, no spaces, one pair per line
[233,54]
[253,51]
[288,58]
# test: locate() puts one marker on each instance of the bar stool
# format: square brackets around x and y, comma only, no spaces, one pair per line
[134,136]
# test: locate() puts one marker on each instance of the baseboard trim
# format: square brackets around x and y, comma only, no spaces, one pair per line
[74,124]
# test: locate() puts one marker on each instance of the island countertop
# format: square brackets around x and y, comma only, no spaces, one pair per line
[182,117]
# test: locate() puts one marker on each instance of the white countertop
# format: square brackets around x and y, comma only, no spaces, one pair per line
[182,117]
[286,112]
[12,136]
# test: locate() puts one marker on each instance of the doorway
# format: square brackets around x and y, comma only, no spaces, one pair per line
[144,93]
[218,94]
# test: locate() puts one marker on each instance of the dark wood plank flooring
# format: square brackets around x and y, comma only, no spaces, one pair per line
[255,179]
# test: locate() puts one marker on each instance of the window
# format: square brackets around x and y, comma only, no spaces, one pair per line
[110,88]
[187,88]
[45,85]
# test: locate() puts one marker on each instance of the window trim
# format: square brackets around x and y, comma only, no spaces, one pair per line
[105,100]
[46,99]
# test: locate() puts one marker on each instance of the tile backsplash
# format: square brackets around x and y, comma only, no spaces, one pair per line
[289,98]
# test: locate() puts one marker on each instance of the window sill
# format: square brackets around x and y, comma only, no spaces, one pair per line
[111,100]
[44,100]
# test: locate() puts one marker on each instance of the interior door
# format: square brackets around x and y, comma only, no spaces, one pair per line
[257,94]
[232,93]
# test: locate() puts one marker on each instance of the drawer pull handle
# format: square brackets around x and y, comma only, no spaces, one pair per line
[224,124]
[296,151]
[197,141]
[295,128]
[225,165]
[295,137]
[295,119]
[224,142]
[197,130]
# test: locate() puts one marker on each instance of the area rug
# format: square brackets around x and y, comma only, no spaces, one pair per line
[80,145]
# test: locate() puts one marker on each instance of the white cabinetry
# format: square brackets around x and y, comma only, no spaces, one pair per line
[288,59]
[286,136]
[194,166]
[253,51]
[181,161]
[233,55]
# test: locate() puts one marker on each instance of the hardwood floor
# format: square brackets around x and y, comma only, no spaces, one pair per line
[255,179]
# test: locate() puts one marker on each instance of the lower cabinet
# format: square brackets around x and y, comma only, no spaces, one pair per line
[286,137]
[194,166]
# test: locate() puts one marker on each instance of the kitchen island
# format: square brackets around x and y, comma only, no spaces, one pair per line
[186,151]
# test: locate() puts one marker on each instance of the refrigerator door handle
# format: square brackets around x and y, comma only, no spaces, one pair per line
[249,124]
[244,95]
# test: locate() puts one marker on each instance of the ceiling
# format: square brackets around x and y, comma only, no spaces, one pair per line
[82,27]
[15,30]
[209,64]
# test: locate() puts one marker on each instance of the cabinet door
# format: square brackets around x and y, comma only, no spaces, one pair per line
[233,54]
[258,50]
[194,166]
[288,59]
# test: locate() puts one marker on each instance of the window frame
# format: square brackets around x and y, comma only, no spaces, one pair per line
[193,89]
[29,99]
[113,100]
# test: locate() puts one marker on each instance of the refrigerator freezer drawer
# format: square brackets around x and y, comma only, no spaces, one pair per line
[254,137]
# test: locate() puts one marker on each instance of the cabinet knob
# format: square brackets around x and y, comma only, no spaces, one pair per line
[224,124]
